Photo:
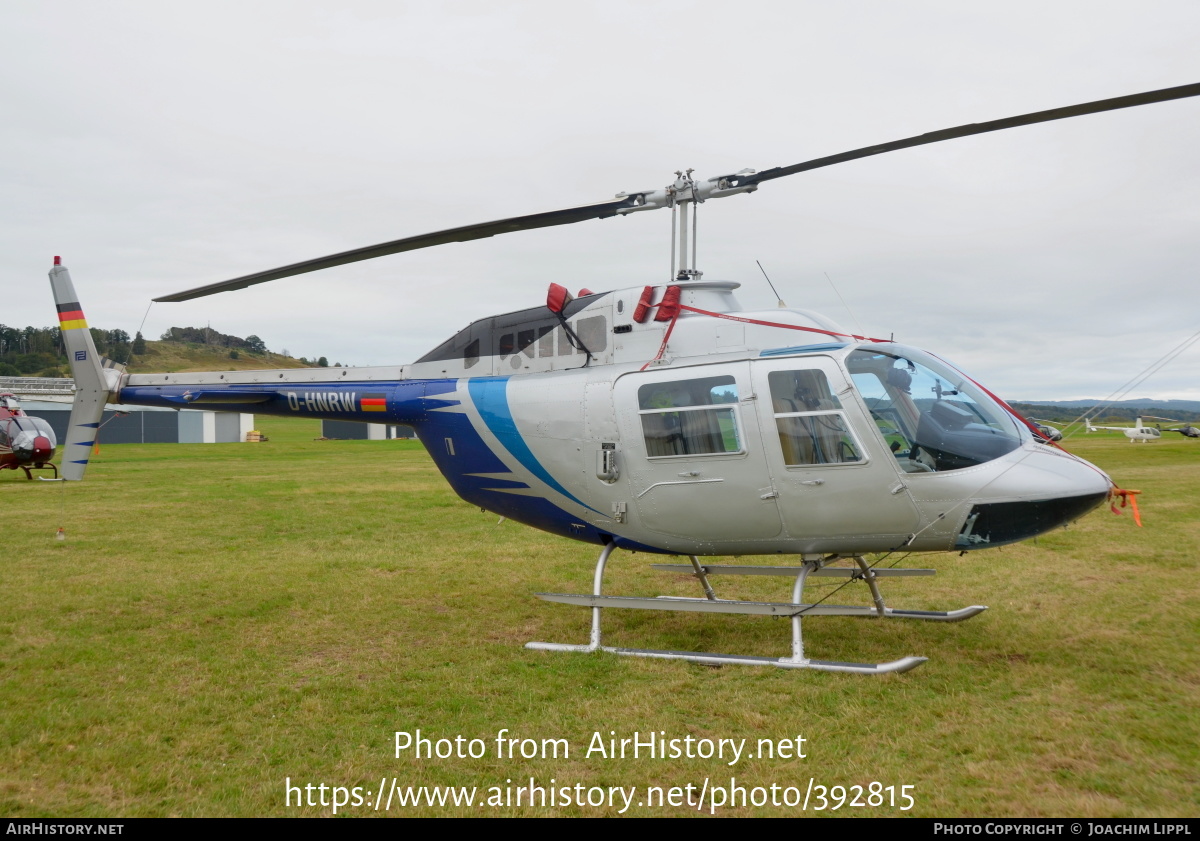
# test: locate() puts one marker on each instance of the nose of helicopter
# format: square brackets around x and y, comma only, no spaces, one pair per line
[42,449]
[29,447]
[1041,490]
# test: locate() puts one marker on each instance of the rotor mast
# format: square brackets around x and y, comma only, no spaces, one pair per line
[680,195]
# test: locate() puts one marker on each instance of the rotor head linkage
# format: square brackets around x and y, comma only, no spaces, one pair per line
[679,195]
[686,189]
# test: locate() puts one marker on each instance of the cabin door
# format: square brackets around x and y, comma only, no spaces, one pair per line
[694,456]
[838,484]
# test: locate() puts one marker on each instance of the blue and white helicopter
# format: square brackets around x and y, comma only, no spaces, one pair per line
[666,419]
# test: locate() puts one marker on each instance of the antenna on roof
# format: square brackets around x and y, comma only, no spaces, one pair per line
[844,304]
[782,305]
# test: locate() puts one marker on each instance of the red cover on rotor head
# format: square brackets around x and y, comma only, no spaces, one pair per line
[557,298]
[643,307]
[668,307]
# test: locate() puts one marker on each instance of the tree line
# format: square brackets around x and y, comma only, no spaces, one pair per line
[39,351]
[209,336]
[1111,414]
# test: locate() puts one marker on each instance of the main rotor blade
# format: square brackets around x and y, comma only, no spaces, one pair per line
[1164,95]
[467,232]
[611,208]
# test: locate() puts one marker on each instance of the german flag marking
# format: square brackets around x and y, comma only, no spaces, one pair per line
[374,402]
[70,316]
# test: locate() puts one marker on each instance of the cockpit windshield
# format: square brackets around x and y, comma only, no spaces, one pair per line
[932,417]
[16,429]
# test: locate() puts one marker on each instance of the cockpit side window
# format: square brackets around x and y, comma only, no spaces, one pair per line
[812,428]
[690,417]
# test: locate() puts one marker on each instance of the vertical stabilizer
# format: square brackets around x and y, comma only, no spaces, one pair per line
[94,385]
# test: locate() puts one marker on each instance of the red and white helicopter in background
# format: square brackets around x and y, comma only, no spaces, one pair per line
[25,443]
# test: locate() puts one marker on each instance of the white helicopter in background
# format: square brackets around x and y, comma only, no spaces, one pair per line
[1138,433]
[663,418]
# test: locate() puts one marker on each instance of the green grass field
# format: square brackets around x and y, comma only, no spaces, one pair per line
[224,618]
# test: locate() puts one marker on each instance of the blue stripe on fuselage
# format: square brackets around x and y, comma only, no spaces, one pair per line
[467,454]
[490,395]
[416,402]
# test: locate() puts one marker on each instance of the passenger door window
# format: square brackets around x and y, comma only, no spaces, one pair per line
[690,417]
[809,420]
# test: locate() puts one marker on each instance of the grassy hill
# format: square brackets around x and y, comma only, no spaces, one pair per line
[174,357]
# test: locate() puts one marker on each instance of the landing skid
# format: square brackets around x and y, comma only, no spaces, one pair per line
[43,466]
[795,610]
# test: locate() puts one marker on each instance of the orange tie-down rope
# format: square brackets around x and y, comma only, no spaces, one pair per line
[1127,496]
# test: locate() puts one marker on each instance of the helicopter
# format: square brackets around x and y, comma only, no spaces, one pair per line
[1138,433]
[665,418]
[26,443]
[1187,430]
[1050,433]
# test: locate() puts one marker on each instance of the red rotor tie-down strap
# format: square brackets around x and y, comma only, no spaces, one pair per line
[662,347]
[681,307]
[784,326]
[1127,496]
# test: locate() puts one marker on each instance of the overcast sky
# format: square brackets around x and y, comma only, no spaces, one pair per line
[160,146]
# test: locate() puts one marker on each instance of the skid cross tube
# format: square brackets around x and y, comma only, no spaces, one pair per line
[795,610]
[594,642]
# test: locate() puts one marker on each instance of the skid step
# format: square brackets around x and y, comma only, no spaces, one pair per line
[757,608]
[795,609]
[904,664]
[790,572]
